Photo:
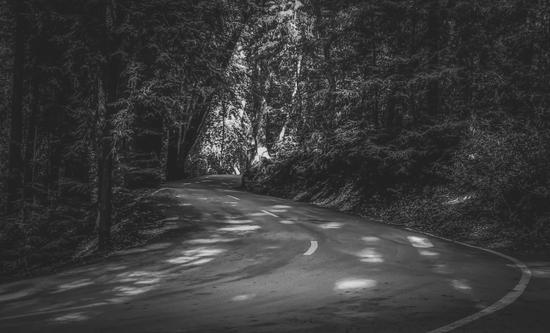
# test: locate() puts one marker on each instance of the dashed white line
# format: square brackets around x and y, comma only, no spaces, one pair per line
[269,213]
[233,197]
[312,248]
[508,299]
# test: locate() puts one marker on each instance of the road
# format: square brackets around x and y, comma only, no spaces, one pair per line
[249,263]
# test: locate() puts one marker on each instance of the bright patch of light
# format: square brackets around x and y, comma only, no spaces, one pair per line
[210,240]
[203,252]
[180,260]
[148,281]
[71,317]
[420,242]
[370,239]
[370,255]
[460,285]
[428,253]
[239,228]
[241,298]
[281,206]
[286,222]
[199,262]
[258,214]
[132,291]
[347,284]
[331,225]
[74,285]
[278,210]
[232,221]
[139,277]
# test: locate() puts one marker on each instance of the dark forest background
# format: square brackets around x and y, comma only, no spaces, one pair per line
[433,114]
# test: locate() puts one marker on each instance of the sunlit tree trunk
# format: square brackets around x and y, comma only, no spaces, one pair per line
[199,112]
[293,100]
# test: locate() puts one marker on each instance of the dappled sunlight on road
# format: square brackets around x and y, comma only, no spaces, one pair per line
[240,228]
[237,221]
[258,214]
[131,291]
[286,222]
[331,225]
[196,256]
[461,285]
[213,240]
[71,317]
[281,207]
[241,298]
[73,285]
[420,242]
[370,239]
[354,284]
[428,253]
[138,277]
[370,255]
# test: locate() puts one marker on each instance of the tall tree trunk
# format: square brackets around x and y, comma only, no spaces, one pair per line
[293,98]
[173,149]
[15,158]
[30,145]
[107,93]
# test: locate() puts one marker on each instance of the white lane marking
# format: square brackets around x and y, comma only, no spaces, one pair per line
[233,197]
[269,213]
[508,299]
[312,248]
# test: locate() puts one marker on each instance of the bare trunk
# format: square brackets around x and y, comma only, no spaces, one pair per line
[292,111]
[107,96]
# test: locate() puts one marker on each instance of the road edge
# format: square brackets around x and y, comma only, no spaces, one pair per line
[509,298]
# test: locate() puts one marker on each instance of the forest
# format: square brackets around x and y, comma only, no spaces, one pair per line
[432,114]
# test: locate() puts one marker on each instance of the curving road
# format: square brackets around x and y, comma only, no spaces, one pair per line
[240,262]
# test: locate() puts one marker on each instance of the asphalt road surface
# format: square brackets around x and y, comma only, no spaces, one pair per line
[249,263]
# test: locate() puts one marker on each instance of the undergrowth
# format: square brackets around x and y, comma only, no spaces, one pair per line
[465,180]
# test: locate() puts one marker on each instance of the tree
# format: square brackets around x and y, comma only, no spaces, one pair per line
[15,163]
